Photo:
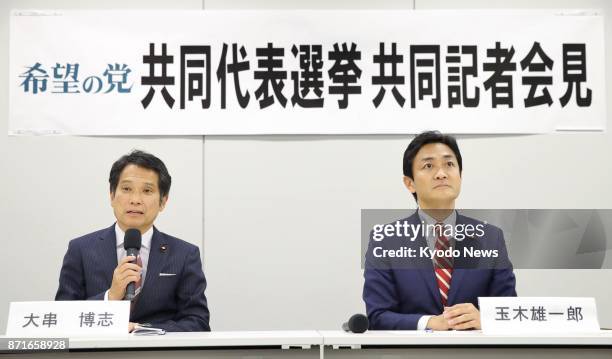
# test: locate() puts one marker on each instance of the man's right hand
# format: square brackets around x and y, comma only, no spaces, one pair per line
[124,274]
[438,322]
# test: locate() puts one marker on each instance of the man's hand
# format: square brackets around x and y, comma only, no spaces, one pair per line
[438,322]
[124,274]
[132,326]
[462,316]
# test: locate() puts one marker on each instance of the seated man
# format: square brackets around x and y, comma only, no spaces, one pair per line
[168,272]
[438,293]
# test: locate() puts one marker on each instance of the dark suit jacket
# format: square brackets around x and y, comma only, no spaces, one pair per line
[396,297]
[174,303]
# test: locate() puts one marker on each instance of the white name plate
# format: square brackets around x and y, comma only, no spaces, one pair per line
[519,315]
[68,318]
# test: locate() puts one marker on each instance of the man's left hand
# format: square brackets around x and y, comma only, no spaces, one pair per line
[462,316]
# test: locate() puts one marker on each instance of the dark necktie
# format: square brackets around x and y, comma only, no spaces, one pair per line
[443,265]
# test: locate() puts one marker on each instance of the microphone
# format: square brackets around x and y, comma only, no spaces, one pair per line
[358,323]
[131,243]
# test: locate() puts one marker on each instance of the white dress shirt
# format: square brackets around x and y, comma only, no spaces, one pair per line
[431,242]
[145,248]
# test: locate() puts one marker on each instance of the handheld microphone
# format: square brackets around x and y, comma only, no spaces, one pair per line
[358,323]
[131,243]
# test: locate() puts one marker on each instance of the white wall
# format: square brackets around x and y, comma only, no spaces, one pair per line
[281,213]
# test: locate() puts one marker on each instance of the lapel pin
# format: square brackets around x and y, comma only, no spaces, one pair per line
[163,248]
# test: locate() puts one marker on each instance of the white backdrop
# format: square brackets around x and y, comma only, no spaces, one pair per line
[71,106]
[281,213]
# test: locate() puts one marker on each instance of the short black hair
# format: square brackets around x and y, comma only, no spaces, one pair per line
[423,139]
[144,160]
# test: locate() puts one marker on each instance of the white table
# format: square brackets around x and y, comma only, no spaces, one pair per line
[338,344]
[254,344]
[465,344]
[280,339]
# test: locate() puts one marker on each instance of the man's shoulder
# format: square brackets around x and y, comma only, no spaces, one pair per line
[176,243]
[90,238]
[463,219]
[486,230]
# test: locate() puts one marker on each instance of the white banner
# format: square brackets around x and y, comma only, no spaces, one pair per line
[538,315]
[68,318]
[305,72]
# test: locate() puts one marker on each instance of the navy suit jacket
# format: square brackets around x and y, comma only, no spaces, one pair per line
[174,303]
[397,297]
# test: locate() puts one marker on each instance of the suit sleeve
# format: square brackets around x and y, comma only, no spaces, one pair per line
[192,308]
[72,276]
[503,283]
[382,303]
[381,298]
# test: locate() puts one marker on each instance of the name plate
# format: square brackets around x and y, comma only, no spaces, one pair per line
[68,318]
[519,315]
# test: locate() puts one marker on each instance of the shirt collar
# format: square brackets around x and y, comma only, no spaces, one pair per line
[146,237]
[451,219]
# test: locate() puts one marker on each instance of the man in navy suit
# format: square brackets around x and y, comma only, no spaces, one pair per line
[438,292]
[168,272]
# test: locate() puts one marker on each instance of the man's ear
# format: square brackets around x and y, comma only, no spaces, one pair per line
[409,183]
[162,203]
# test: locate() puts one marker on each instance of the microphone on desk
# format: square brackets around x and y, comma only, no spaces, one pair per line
[357,323]
[131,243]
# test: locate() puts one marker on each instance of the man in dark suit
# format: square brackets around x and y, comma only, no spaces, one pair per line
[168,272]
[437,292]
